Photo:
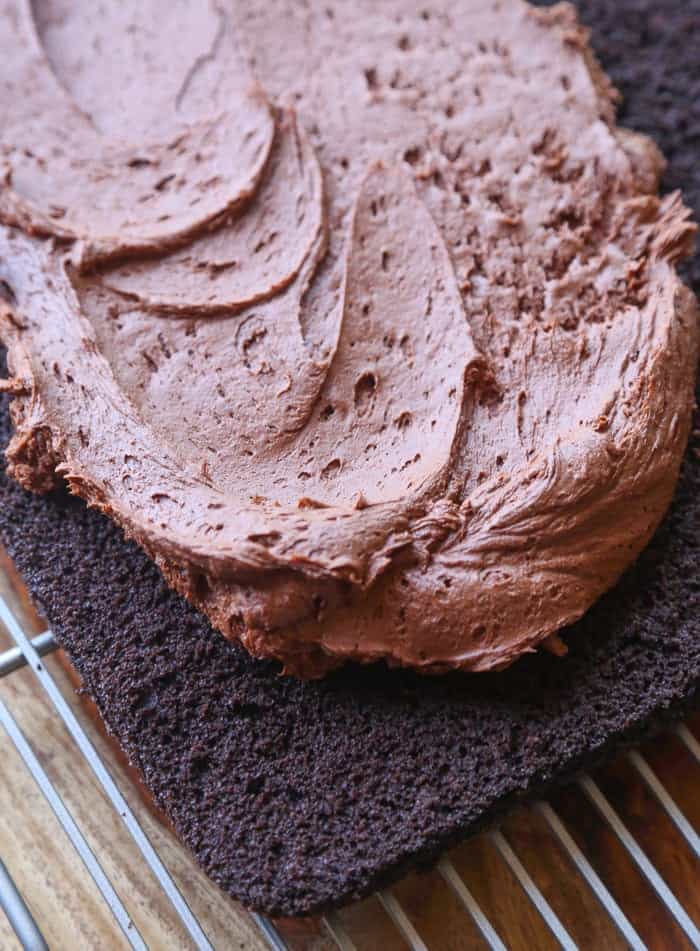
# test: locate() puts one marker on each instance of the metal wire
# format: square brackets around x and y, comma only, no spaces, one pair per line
[28,652]
[13,658]
[100,770]
[532,891]
[73,832]
[596,797]
[19,915]
[459,887]
[120,804]
[339,935]
[689,741]
[618,917]
[269,932]
[665,800]
[394,910]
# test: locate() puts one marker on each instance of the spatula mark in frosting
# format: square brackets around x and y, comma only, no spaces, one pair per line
[202,59]
[249,258]
[66,177]
[383,420]
[368,420]
[304,442]
[394,419]
[200,502]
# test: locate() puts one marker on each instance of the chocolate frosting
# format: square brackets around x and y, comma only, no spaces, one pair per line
[362,319]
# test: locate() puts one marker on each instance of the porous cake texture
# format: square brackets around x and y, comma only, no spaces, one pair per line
[298,796]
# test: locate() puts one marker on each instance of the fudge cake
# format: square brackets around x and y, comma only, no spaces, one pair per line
[298,795]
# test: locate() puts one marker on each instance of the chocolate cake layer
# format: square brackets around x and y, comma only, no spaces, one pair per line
[299,796]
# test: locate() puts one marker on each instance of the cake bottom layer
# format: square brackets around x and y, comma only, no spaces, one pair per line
[296,797]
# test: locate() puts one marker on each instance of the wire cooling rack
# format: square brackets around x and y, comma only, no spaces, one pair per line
[28,652]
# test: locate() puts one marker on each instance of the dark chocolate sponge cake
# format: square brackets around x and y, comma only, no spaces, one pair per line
[297,796]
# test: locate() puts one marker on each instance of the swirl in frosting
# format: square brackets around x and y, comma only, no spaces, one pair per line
[362,319]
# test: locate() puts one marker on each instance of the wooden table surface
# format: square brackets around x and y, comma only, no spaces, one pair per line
[71,914]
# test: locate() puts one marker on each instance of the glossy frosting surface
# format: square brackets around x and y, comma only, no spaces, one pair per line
[362,319]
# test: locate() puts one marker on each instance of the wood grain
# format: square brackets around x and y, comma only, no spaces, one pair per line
[72,914]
